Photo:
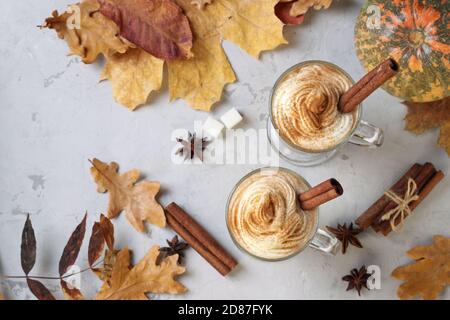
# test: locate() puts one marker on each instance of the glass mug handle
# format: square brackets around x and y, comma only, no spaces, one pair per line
[325,242]
[367,135]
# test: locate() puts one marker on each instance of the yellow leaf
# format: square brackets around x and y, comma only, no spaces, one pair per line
[145,277]
[423,116]
[429,275]
[87,32]
[302,6]
[137,200]
[133,75]
[200,80]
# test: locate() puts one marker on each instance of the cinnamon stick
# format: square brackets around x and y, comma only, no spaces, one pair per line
[371,214]
[425,191]
[426,173]
[199,238]
[351,99]
[320,194]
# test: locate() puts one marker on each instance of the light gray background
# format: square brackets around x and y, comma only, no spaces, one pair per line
[54,115]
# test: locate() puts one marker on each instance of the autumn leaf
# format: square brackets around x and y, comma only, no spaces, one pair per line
[136,199]
[300,7]
[429,275]
[28,247]
[424,116]
[87,32]
[283,12]
[102,233]
[132,283]
[68,258]
[39,290]
[133,75]
[157,26]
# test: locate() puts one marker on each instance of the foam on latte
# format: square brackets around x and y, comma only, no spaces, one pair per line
[305,107]
[264,215]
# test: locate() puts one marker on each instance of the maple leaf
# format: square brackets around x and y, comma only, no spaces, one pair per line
[87,32]
[157,26]
[136,199]
[145,277]
[250,24]
[429,115]
[429,275]
[133,75]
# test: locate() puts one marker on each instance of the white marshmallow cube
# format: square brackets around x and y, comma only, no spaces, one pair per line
[231,118]
[213,127]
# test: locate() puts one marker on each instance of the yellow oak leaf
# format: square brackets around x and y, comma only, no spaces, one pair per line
[423,116]
[132,283]
[87,32]
[136,199]
[200,80]
[429,275]
[133,75]
[300,7]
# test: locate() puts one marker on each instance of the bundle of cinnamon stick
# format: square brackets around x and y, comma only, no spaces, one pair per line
[425,177]
[320,194]
[199,239]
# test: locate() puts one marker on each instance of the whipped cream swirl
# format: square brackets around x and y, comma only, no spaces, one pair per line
[264,215]
[305,107]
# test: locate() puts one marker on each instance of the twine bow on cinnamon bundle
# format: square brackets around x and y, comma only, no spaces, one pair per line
[395,205]
[402,209]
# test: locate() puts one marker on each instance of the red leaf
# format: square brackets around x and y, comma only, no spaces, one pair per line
[96,243]
[282,11]
[157,26]
[39,290]
[72,248]
[108,231]
[71,293]
[28,247]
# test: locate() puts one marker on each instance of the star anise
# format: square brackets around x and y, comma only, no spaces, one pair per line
[192,147]
[174,247]
[346,235]
[357,279]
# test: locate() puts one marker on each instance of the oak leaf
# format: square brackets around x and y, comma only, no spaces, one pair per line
[429,275]
[424,116]
[132,283]
[300,7]
[136,199]
[133,75]
[157,26]
[87,32]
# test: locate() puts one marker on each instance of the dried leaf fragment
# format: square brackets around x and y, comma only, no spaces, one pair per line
[133,75]
[300,7]
[429,274]
[132,283]
[136,199]
[71,293]
[423,116]
[28,247]
[87,32]
[102,233]
[157,26]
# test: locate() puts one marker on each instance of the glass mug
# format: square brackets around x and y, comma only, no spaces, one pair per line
[362,134]
[319,239]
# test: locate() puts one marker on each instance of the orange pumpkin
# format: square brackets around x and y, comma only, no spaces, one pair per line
[413,32]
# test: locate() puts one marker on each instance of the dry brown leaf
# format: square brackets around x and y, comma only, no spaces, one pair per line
[2,297]
[136,199]
[157,26]
[128,283]
[71,293]
[133,75]
[254,28]
[300,7]
[429,275]
[200,3]
[94,35]
[429,115]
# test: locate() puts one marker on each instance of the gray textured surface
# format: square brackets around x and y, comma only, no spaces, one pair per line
[54,115]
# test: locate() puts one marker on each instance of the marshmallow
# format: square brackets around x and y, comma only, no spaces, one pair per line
[213,127]
[231,118]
